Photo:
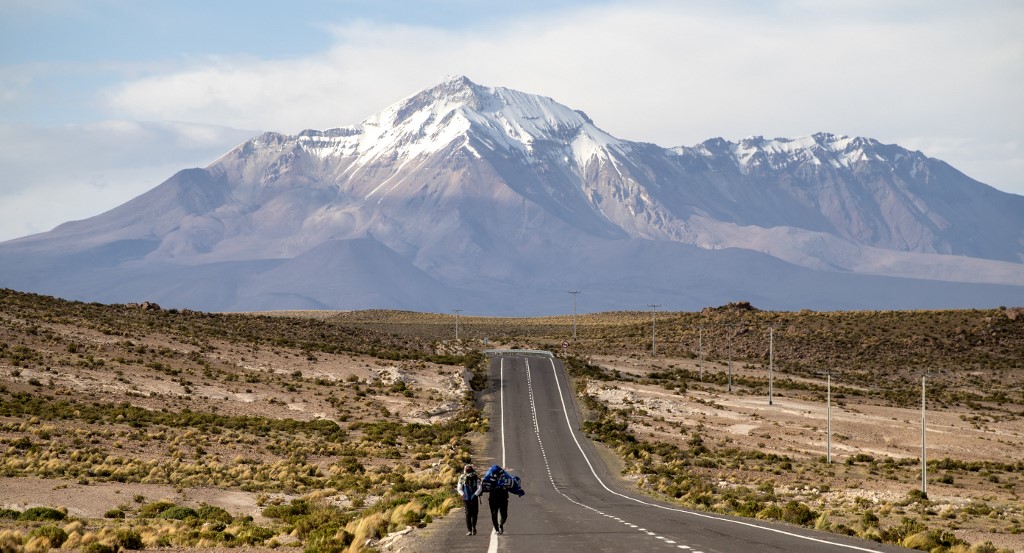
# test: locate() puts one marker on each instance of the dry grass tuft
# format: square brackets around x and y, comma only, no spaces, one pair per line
[369,527]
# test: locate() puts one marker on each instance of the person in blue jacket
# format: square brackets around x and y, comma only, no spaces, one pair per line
[469,488]
[498,483]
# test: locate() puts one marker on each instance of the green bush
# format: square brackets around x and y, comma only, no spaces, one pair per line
[329,541]
[9,514]
[179,512]
[288,513]
[97,547]
[792,512]
[213,514]
[154,509]
[56,535]
[128,539]
[798,513]
[114,513]
[917,495]
[41,513]
[906,527]
[773,512]
[254,535]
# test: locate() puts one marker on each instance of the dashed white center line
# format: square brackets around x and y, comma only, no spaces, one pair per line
[547,466]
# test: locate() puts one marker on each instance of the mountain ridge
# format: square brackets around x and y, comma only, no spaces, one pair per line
[465,182]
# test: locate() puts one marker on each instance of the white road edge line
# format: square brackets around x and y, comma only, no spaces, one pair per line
[492,547]
[501,379]
[572,432]
[536,428]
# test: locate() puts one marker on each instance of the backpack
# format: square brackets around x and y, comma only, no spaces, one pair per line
[468,482]
[517,487]
[497,478]
[491,478]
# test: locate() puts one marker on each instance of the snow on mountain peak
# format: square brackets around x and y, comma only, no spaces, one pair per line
[437,117]
[823,149]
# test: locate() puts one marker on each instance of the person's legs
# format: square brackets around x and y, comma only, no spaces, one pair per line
[467,504]
[503,509]
[472,511]
[494,505]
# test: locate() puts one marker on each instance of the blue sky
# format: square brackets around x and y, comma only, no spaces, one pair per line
[101,100]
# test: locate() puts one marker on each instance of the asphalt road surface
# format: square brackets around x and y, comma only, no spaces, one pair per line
[573,503]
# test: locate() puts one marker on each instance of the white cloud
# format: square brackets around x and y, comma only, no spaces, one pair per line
[657,72]
[943,77]
[53,175]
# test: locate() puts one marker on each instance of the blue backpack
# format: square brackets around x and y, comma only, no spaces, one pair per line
[496,478]
[491,477]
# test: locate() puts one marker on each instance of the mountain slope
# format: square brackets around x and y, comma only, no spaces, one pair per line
[464,193]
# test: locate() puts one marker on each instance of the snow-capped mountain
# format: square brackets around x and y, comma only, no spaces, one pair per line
[498,201]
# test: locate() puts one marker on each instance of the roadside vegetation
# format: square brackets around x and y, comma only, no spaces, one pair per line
[330,431]
[334,437]
[672,418]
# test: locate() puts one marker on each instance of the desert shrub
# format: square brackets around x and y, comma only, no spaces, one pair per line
[253,535]
[114,513]
[328,541]
[41,513]
[906,527]
[869,519]
[977,508]
[154,509]
[798,513]
[289,512]
[929,540]
[179,512]
[97,547]
[320,519]
[9,514]
[55,535]
[212,513]
[128,539]
[749,508]
[916,495]
[792,512]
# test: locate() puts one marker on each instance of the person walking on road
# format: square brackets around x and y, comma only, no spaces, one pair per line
[497,500]
[470,487]
[498,484]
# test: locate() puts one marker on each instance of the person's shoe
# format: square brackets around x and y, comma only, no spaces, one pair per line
[474,531]
[470,533]
[501,529]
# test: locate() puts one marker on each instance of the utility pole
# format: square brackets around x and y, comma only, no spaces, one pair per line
[924,444]
[574,292]
[771,361]
[731,332]
[828,425]
[700,349]
[654,307]
[457,311]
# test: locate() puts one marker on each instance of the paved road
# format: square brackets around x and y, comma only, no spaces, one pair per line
[574,503]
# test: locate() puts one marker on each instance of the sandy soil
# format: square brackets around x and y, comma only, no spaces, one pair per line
[795,425]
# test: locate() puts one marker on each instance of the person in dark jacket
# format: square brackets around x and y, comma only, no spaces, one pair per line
[498,483]
[497,500]
[470,487]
